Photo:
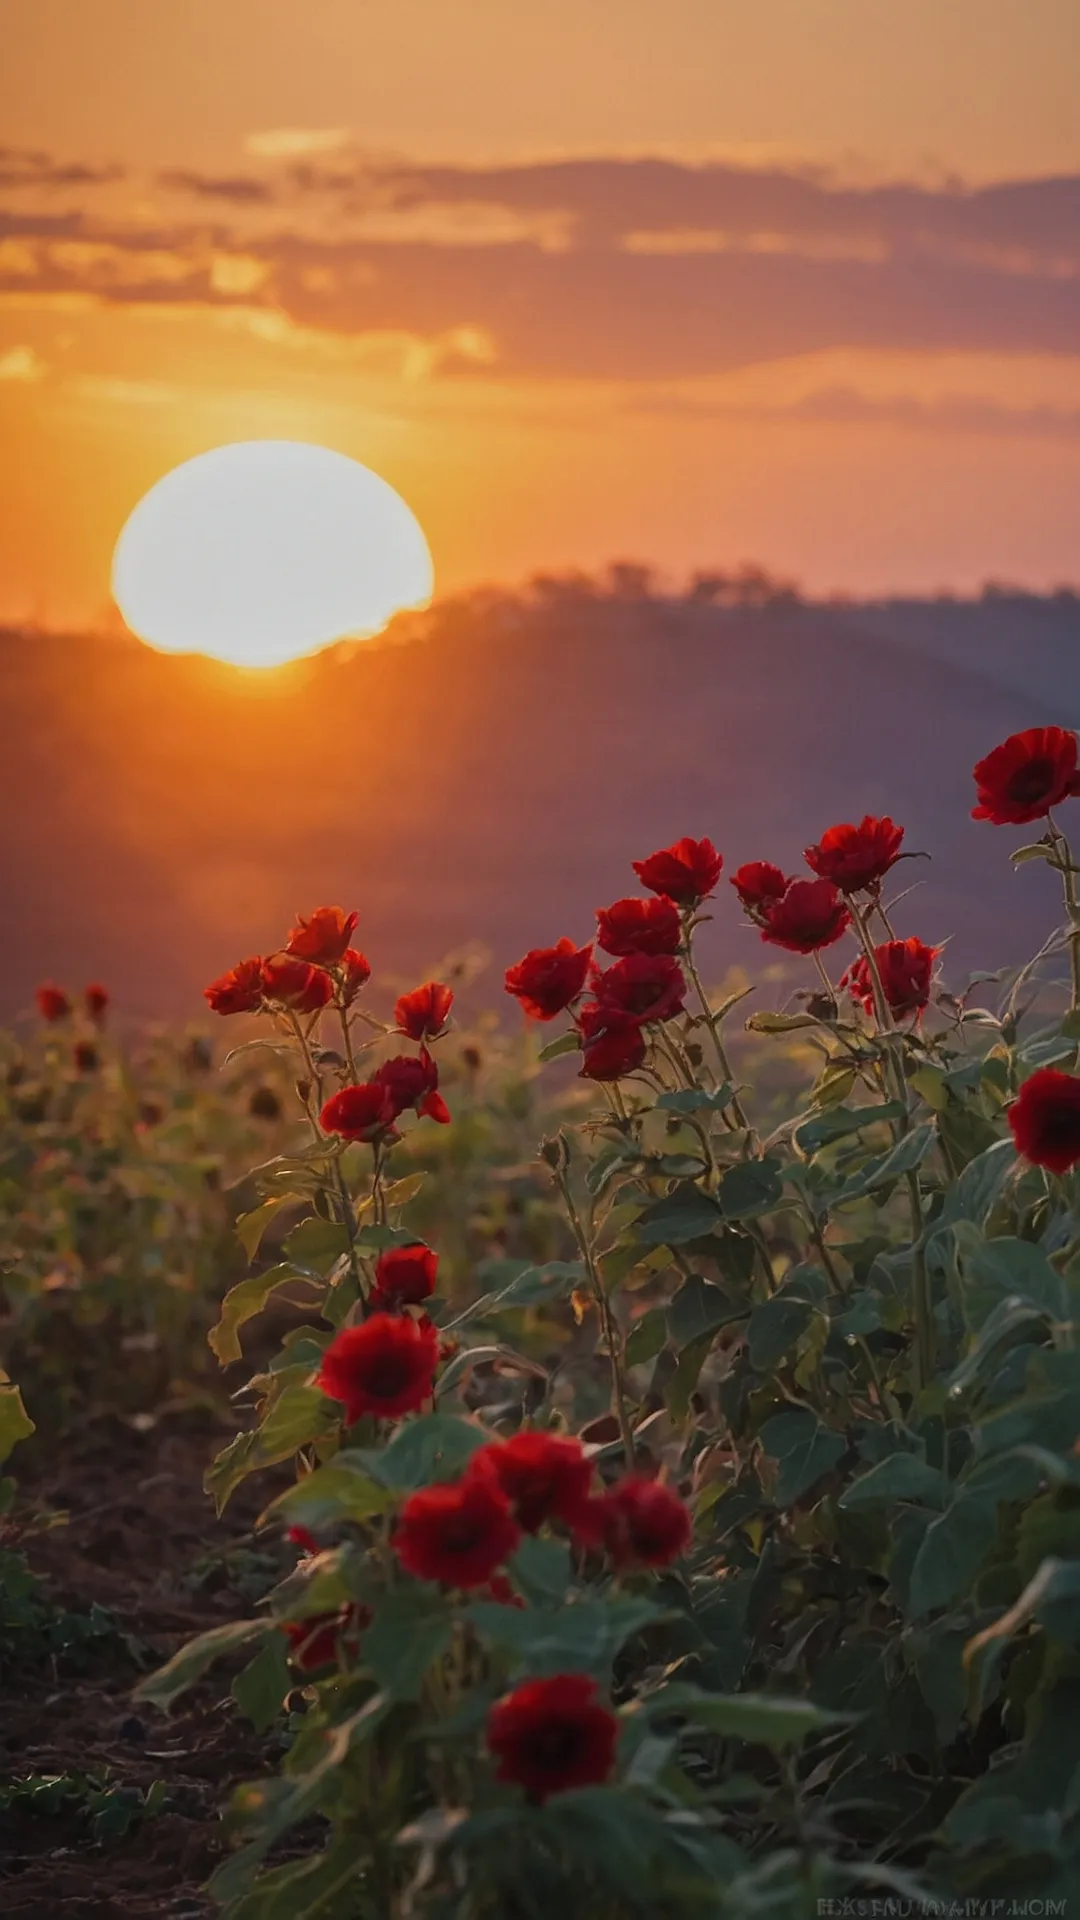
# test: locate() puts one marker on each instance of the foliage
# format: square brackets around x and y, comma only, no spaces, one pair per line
[111,1811]
[704,1537]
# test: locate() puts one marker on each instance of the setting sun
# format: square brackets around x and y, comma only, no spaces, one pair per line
[266,550]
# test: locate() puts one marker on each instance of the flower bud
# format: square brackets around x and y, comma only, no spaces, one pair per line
[556,1153]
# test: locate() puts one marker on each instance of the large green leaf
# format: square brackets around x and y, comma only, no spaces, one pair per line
[1006,1269]
[530,1287]
[242,1303]
[437,1446]
[903,1476]
[685,1214]
[193,1660]
[409,1630]
[904,1157]
[260,1690]
[250,1227]
[316,1245]
[774,1328]
[958,1540]
[699,1307]
[300,1415]
[840,1122]
[583,1637]
[343,1490]
[763,1719]
[804,1450]
[751,1188]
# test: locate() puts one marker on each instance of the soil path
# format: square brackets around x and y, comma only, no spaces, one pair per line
[141,1540]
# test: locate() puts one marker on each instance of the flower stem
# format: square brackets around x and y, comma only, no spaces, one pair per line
[713,1024]
[607,1319]
[921,1306]
[1072,908]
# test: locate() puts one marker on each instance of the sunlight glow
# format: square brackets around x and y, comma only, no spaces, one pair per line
[266,550]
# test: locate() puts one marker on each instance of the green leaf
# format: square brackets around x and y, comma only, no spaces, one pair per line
[532,1287]
[583,1637]
[250,1227]
[903,1158]
[15,1422]
[342,1490]
[804,1450]
[1053,1593]
[300,1415]
[241,1304]
[1007,1268]
[260,1690]
[409,1631]
[780,1022]
[685,1214]
[680,1386]
[541,1569]
[773,1329]
[437,1446]
[903,1476]
[957,1542]
[840,1122]
[316,1245]
[695,1100]
[699,1307]
[763,1719]
[566,1043]
[973,1195]
[1007,1317]
[646,1337]
[751,1188]
[193,1660]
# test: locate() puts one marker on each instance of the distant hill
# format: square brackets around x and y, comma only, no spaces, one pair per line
[487,772]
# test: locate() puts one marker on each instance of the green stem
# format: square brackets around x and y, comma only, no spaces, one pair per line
[921,1306]
[607,1320]
[1072,908]
[713,1024]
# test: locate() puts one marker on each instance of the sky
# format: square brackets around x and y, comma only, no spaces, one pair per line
[691,281]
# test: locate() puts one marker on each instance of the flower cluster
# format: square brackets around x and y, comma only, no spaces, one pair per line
[54,1005]
[462,1532]
[317,969]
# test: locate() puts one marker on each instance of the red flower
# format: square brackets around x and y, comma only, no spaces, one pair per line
[647,986]
[459,1534]
[366,1112]
[96,1001]
[759,886]
[810,915]
[355,974]
[86,1057]
[52,1002]
[543,1476]
[686,872]
[639,926]
[1027,775]
[404,1276]
[238,991]
[423,1013]
[906,968]
[296,984]
[315,1642]
[412,1080]
[549,979]
[323,937]
[384,1366]
[639,1523]
[549,1735]
[1045,1119]
[855,858]
[613,1043]
[302,1538]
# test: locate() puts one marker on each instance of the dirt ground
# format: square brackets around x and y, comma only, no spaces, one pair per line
[142,1540]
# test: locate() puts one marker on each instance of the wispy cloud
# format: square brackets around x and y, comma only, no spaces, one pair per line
[620,269]
[21,363]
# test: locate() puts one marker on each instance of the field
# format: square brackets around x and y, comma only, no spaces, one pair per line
[613,1454]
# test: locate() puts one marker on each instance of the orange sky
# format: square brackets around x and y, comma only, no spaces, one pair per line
[604,277]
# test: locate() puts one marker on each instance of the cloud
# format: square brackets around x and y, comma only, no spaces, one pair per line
[602,269]
[21,363]
[290,143]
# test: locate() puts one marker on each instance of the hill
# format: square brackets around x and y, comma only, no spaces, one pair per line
[487,771]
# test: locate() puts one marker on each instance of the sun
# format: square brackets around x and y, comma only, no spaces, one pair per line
[266,550]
